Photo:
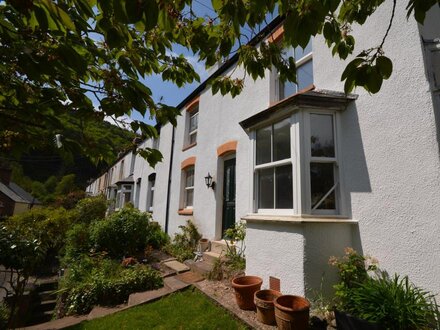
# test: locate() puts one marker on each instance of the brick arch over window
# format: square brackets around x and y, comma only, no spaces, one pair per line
[227,148]
[190,161]
[192,104]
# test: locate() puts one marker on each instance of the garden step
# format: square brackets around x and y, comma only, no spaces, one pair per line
[176,266]
[220,247]
[174,284]
[199,267]
[44,306]
[211,257]
[46,285]
[47,295]
[143,297]
[41,317]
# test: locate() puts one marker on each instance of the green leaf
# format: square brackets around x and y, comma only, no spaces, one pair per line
[151,14]
[385,66]
[134,10]
[60,14]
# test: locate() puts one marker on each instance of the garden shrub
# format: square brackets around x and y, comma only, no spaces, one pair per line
[4,315]
[156,237]
[102,281]
[185,243]
[77,242]
[394,303]
[91,208]
[124,233]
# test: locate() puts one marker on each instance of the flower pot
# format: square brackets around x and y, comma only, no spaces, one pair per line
[292,312]
[264,302]
[204,244]
[346,321]
[245,288]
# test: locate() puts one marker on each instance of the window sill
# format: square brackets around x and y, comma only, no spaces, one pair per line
[298,219]
[189,146]
[185,211]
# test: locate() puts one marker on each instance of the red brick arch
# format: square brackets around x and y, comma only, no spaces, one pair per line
[227,148]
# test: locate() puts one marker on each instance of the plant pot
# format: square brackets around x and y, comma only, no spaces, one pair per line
[245,288]
[292,312]
[204,244]
[346,321]
[264,302]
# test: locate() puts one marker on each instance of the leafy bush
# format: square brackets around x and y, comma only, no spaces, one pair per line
[77,242]
[353,270]
[394,303]
[156,238]
[124,233]
[91,208]
[48,225]
[102,281]
[4,316]
[70,200]
[185,243]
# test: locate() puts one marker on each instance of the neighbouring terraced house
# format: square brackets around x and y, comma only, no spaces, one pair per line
[310,169]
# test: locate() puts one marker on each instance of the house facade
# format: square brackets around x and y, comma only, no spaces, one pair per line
[310,169]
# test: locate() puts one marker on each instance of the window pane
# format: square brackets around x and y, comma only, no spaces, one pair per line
[193,138]
[284,191]
[189,197]
[287,88]
[300,53]
[322,136]
[265,191]
[193,122]
[264,145]
[127,197]
[189,178]
[322,180]
[305,75]
[281,140]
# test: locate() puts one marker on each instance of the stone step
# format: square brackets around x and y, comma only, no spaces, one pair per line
[47,295]
[219,247]
[177,266]
[211,257]
[143,297]
[47,285]
[199,267]
[45,306]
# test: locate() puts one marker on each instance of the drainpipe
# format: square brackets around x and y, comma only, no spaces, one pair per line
[167,214]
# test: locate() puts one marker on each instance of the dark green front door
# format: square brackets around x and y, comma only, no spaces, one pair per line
[228,219]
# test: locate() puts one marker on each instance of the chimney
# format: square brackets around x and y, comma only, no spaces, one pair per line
[5,174]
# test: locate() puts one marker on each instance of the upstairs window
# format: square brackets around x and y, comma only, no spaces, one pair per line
[150,194]
[304,71]
[193,125]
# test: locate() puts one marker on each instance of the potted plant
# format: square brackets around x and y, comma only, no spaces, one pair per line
[245,288]
[292,312]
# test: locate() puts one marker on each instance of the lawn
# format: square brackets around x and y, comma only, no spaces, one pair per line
[189,309]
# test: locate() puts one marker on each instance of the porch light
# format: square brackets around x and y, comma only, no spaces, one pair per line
[208,181]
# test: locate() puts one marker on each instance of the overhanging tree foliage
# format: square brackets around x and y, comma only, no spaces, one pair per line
[77,56]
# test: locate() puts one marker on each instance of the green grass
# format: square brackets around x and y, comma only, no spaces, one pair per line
[189,309]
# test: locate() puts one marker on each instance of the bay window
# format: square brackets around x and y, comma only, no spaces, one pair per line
[296,165]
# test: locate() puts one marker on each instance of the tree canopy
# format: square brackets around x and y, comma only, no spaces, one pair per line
[87,58]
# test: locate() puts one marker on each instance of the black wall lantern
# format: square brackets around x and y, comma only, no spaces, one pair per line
[208,181]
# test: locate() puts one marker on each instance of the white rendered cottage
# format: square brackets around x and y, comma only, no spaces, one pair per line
[310,169]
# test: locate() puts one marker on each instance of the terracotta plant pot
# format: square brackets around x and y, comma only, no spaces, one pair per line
[245,288]
[292,312]
[264,302]
[204,244]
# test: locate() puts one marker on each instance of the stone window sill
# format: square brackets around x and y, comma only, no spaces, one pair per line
[185,212]
[189,146]
[298,219]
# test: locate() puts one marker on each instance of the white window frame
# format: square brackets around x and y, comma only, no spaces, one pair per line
[301,159]
[276,77]
[191,113]
[150,194]
[120,195]
[185,188]
[309,159]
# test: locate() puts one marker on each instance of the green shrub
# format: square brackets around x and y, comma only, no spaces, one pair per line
[102,281]
[48,225]
[353,270]
[70,200]
[91,208]
[77,242]
[184,244]
[4,316]
[124,233]
[394,303]
[157,238]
